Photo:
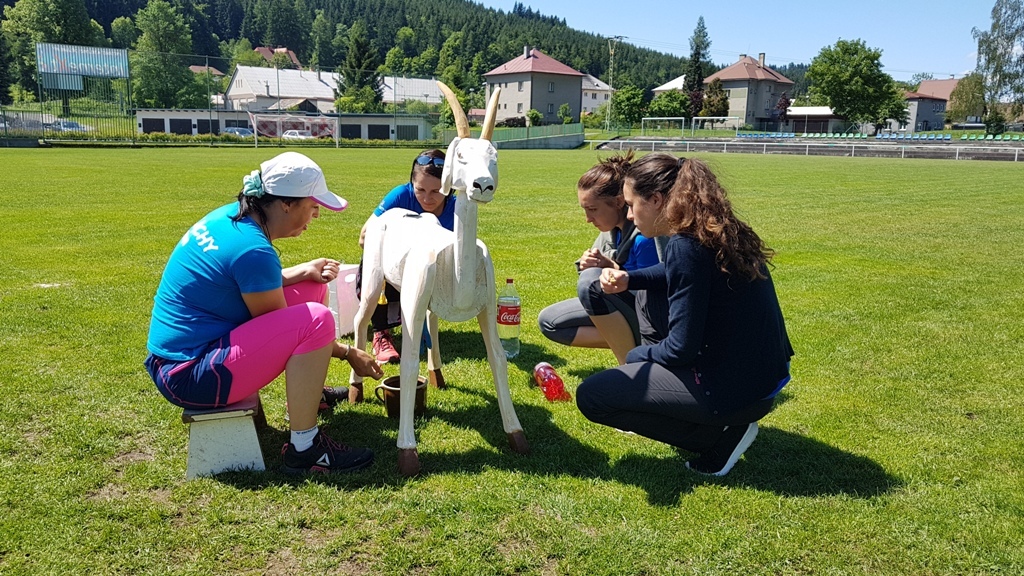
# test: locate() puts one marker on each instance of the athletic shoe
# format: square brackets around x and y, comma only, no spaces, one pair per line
[331,397]
[720,459]
[325,456]
[384,348]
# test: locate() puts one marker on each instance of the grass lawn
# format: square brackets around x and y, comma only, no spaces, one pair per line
[894,451]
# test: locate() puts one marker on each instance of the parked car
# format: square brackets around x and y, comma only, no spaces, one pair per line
[297,135]
[240,132]
[67,126]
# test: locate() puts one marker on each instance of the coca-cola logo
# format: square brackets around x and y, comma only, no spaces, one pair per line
[508,315]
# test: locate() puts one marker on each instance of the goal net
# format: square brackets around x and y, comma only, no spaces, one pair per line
[273,125]
[662,126]
[712,123]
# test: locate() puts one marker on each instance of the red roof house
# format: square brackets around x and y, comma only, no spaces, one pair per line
[536,81]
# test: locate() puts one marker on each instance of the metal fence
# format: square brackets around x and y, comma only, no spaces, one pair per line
[945,151]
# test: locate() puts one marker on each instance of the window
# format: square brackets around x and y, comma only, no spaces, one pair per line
[519,108]
[520,85]
[606,96]
[551,86]
[593,96]
[551,108]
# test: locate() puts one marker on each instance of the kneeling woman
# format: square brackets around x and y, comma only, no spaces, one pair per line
[227,319]
[595,319]
[704,387]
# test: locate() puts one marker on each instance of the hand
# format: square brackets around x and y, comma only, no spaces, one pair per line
[593,259]
[323,270]
[363,364]
[614,281]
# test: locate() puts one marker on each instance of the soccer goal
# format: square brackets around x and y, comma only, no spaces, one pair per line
[274,125]
[668,127]
[715,125]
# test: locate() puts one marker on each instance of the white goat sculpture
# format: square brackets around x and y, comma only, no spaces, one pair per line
[440,273]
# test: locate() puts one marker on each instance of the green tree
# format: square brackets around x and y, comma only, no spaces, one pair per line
[628,104]
[426,63]
[123,32]
[242,53]
[283,27]
[670,104]
[916,79]
[716,103]
[534,117]
[322,38]
[394,61]
[57,21]
[700,44]
[5,74]
[360,75]
[565,113]
[848,77]
[158,74]
[999,64]
[967,99]
[893,108]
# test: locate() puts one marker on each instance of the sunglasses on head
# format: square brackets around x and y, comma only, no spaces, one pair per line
[425,160]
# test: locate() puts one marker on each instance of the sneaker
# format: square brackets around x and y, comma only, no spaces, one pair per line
[384,348]
[720,459]
[331,397]
[325,456]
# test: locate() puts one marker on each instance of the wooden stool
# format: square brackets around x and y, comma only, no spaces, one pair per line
[224,438]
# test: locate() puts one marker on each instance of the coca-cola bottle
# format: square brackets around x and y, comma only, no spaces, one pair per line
[508,319]
[550,383]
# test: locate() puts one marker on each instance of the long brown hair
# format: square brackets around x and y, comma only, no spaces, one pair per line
[605,179]
[696,205]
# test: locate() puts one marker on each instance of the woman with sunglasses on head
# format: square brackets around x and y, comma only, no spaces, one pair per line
[707,383]
[421,194]
[228,319]
[595,319]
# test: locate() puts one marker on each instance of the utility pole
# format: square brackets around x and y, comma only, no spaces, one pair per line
[611,77]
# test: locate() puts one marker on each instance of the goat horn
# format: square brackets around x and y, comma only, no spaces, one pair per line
[461,124]
[492,111]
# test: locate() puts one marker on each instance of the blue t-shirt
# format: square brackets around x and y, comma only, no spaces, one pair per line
[644,253]
[199,299]
[405,197]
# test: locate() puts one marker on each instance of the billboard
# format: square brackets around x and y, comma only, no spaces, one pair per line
[66,60]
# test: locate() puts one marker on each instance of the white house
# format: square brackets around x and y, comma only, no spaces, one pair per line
[257,88]
[677,84]
[595,93]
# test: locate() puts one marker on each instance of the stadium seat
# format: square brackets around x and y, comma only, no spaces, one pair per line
[963,136]
[1016,138]
[931,136]
[973,137]
[947,137]
[989,137]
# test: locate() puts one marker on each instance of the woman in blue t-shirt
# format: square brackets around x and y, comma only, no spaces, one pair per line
[228,319]
[594,319]
[422,194]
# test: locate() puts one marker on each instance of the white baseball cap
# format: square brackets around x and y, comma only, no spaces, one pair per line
[294,175]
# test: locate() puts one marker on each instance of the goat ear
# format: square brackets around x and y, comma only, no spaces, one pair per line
[449,163]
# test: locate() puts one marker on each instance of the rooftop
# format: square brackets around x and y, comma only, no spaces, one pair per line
[748,69]
[534,62]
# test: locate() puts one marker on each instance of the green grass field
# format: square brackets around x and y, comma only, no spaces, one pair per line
[894,451]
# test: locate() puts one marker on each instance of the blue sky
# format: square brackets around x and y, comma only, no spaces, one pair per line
[932,36]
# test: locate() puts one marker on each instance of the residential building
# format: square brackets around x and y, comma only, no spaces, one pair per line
[257,88]
[536,81]
[924,113]
[595,93]
[753,90]
[268,54]
[678,84]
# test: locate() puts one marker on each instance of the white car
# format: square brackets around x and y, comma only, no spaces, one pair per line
[297,135]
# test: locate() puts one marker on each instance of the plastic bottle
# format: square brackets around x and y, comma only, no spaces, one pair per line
[508,319]
[550,383]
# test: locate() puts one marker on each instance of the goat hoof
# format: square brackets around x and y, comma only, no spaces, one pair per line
[517,441]
[355,392]
[408,462]
[437,379]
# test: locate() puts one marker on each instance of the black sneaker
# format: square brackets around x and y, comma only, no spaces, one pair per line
[326,455]
[331,397]
[720,459]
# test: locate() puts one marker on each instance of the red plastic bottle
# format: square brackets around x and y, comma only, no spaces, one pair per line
[550,383]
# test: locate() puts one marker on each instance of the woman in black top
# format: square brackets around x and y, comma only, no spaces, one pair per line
[704,387]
